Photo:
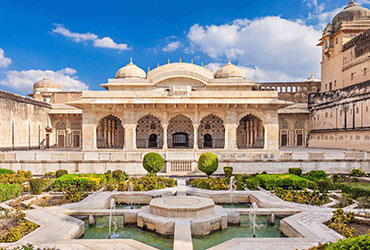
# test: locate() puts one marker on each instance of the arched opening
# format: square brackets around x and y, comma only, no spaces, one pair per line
[153,141]
[250,132]
[110,133]
[180,140]
[180,132]
[207,141]
[214,127]
[147,127]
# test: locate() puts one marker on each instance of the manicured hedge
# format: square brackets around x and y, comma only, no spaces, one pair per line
[9,191]
[61,172]
[296,171]
[356,189]
[119,175]
[146,183]
[316,175]
[83,182]
[303,197]
[5,171]
[286,181]
[38,185]
[211,183]
[228,171]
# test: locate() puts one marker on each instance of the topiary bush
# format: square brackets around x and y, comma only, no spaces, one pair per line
[60,173]
[153,163]
[37,185]
[296,171]
[228,171]
[208,163]
[119,175]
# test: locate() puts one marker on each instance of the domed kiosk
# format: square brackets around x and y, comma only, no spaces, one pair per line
[230,71]
[351,12]
[131,71]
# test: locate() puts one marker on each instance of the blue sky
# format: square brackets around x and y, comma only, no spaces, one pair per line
[83,43]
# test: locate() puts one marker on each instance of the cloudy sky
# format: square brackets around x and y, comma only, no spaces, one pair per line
[83,43]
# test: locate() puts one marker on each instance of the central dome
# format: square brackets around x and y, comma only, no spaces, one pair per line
[352,12]
[180,69]
[230,71]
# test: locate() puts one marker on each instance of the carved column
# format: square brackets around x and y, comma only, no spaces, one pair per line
[230,136]
[196,136]
[165,146]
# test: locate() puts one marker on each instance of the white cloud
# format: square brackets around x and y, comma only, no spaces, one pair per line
[4,61]
[25,79]
[172,46]
[105,42]
[274,46]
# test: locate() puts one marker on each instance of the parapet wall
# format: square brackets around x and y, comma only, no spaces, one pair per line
[184,163]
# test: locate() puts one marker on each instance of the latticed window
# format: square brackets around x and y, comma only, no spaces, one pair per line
[285,124]
[76,125]
[299,125]
[60,125]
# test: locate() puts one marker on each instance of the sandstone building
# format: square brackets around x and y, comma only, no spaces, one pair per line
[340,116]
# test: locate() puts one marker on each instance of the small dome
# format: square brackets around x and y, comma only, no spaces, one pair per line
[130,71]
[328,29]
[230,71]
[352,12]
[47,84]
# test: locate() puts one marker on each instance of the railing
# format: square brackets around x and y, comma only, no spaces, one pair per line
[181,166]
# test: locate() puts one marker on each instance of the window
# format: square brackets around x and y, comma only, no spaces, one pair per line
[357,110]
[326,86]
[352,76]
[336,40]
[365,71]
[330,86]
[326,114]
[335,83]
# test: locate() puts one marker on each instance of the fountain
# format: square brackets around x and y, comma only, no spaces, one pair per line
[131,189]
[231,186]
[111,218]
[252,217]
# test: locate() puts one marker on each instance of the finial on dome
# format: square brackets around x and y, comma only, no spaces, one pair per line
[201,64]
[192,61]
[47,74]
[180,59]
[312,76]
[212,69]
[148,69]
[157,65]
[131,60]
[228,61]
[168,60]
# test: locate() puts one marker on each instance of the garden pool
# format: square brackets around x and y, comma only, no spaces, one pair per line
[100,231]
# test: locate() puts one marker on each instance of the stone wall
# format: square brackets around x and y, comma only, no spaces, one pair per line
[183,163]
[23,121]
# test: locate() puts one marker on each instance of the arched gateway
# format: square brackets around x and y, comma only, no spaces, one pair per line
[250,132]
[110,133]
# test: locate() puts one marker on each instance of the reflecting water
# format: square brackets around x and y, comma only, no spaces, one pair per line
[236,205]
[100,231]
[243,231]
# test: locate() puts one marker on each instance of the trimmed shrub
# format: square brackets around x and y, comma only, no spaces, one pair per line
[285,181]
[153,163]
[60,173]
[50,175]
[146,183]
[38,185]
[228,171]
[357,173]
[119,175]
[208,163]
[211,183]
[316,175]
[296,171]
[9,191]
[323,185]
[356,189]
[83,182]
[303,197]
[6,171]
[252,183]
[108,176]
